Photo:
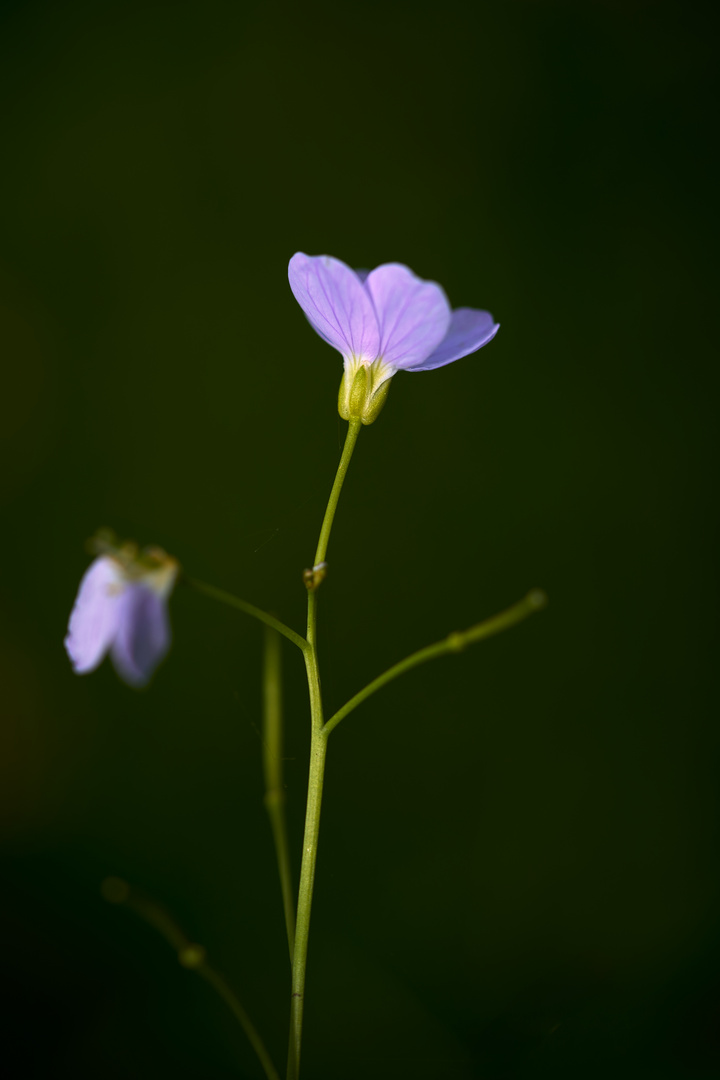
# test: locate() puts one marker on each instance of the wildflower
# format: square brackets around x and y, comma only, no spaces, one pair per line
[121,608]
[384,321]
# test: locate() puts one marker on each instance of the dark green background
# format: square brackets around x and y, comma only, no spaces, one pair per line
[519,873]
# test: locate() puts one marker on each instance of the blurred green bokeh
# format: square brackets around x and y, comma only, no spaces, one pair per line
[519,873]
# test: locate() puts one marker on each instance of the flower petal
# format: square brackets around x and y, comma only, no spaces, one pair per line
[94,617]
[469,331]
[338,307]
[143,636]
[413,315]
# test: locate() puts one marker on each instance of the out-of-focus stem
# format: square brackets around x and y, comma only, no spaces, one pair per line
[273,770]
[191,956]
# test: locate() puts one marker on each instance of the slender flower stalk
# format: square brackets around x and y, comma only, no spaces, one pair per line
[453,643]
[191,956]
[354,428]
[273,770]
[318,751]
[242,605]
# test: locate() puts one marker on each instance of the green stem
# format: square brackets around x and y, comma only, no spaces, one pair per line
[350,440]
[318,750]
[249,609]
[453,643]
[273,769]
[191,956]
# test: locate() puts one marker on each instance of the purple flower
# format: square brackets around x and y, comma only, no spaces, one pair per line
[382,322]
[121,608]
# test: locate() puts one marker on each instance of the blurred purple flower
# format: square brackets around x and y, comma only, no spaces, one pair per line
[384,321]
[121,608]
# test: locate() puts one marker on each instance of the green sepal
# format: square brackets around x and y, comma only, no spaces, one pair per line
[359,398]
[358,393]
[375,403]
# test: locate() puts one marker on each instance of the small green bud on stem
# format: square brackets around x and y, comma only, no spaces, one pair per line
[313,578]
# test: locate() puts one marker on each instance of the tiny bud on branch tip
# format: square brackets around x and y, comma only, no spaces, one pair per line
[192,956]
[313,578]
[456,642]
